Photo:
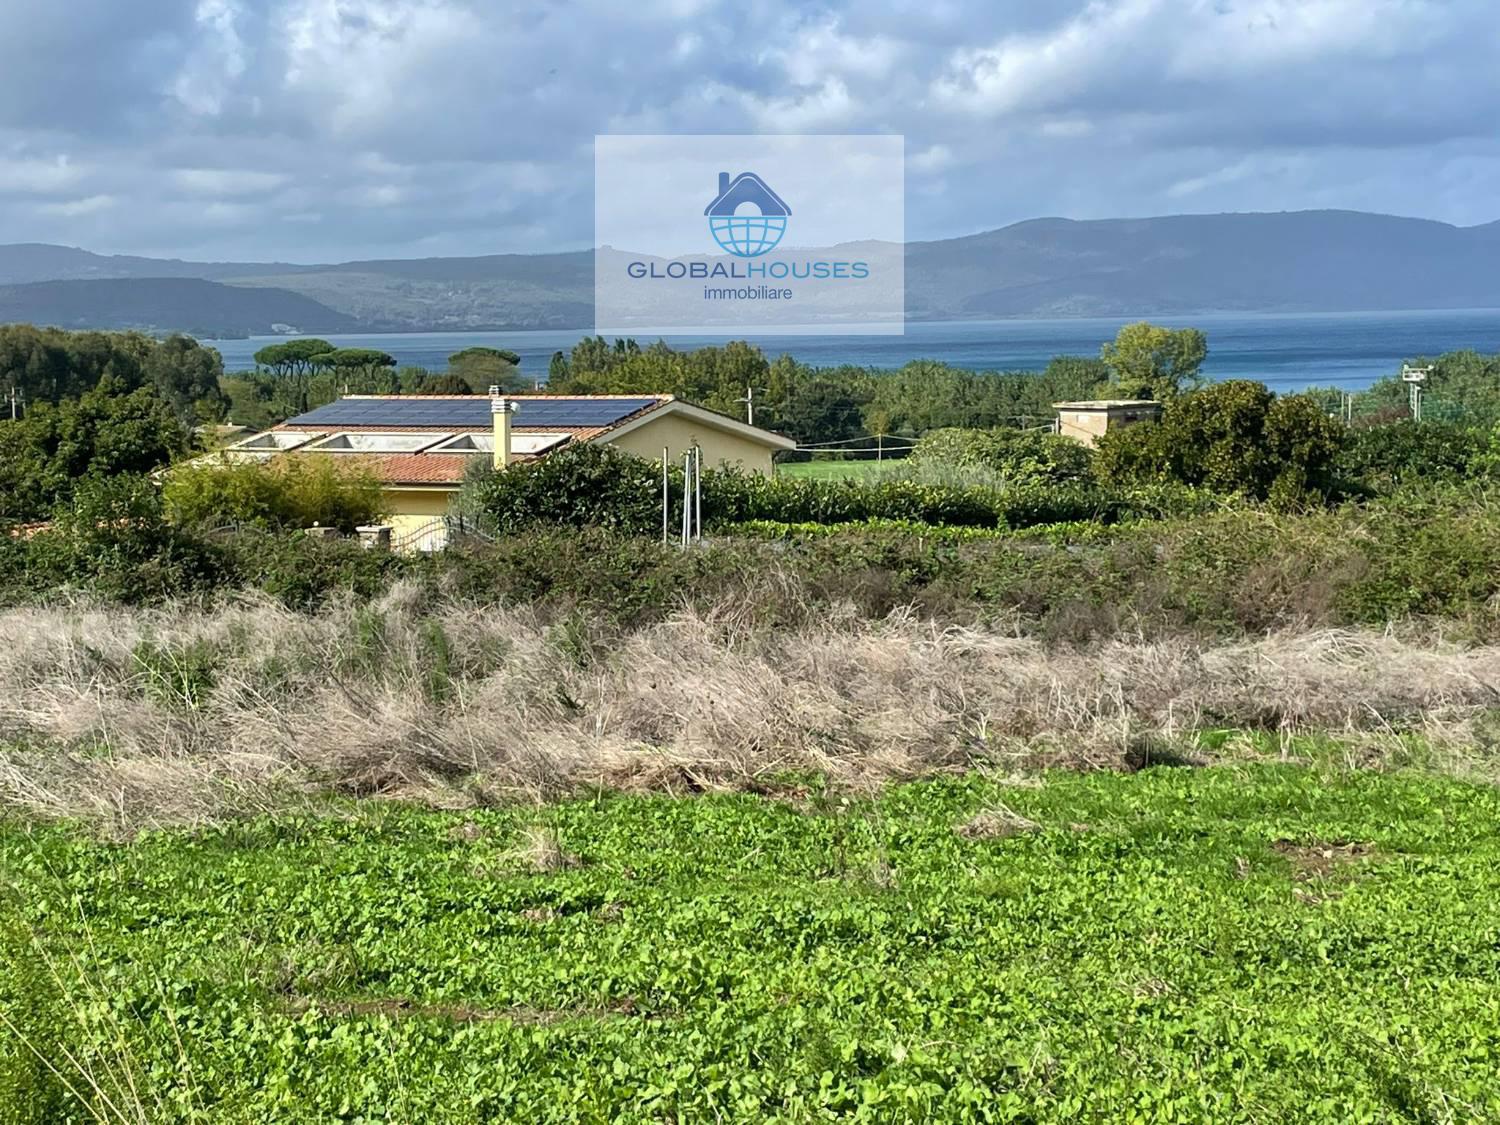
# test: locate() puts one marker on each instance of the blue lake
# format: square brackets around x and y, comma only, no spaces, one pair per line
[1285,351]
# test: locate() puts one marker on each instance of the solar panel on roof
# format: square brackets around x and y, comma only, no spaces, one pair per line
[470,413]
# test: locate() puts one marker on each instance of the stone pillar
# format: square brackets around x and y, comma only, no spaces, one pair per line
[375,536]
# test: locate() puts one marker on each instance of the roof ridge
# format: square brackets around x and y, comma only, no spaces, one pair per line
[518,394]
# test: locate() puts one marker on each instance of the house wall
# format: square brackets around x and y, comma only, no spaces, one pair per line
[1088,426]
[410,508]
[1085,426]
[679,434]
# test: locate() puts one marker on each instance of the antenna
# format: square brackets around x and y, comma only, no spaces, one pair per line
[749,401]
[1414,378]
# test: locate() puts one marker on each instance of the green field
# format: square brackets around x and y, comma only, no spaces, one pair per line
[1246,942]
[833,470]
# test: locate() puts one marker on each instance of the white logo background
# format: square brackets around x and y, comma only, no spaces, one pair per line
[847,201]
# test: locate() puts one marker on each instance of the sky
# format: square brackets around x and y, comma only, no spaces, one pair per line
[329,130]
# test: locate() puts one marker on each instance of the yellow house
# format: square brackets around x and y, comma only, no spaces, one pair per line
[422,445]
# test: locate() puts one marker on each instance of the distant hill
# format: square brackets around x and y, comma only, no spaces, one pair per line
[203,308]
[1304,261]
[24,262]
[1300,261]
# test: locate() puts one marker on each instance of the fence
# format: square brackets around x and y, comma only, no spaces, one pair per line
[443,532]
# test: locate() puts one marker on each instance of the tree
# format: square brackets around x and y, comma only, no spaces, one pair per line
[822,411]
[48,365]
[449,384]
[297,491]
[298,358]
[1304,445]
[296,361]
[1070,377]
[1381,458]
[579,485]
[187,375]
[1234,436]
[1015,456]
[593,355]
[362,362]
[1149,361]
[1463,386]
[488,367]
[105,432]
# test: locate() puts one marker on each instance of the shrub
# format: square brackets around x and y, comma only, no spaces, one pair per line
[287,492]
[1232,437]
[1226,569]
[106,431]
[1019,456]
[731,497]
[114,540]
[302,572]
[1381,458]
[578,486]
[600,487]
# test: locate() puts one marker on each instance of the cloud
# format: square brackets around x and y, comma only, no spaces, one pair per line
[335,129]
[227,182]
[26,175]
[210,73]
[73,208]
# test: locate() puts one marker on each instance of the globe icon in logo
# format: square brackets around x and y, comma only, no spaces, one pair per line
[746,236]
[759,229]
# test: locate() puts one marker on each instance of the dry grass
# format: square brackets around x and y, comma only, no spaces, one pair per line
[995,824]
[543,853]
[131,718]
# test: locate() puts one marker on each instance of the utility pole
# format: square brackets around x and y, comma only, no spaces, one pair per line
[1414,377]
[17,402]
[749,401]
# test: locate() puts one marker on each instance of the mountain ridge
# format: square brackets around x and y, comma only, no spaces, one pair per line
[1329,260]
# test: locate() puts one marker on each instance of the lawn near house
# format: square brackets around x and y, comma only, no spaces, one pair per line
[1251,941]
[836,470]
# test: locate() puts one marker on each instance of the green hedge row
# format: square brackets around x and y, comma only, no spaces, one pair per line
[1433,554]
[595,486]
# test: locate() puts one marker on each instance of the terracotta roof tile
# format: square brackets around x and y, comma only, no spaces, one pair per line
[417,468]
[577,432]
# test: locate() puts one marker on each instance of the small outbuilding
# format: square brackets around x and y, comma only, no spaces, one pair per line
[1086,422]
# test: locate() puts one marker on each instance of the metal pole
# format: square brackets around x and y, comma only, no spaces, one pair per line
[665,494]
[698,488]
[687,507]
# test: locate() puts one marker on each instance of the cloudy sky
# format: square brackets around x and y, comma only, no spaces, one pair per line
[308,130]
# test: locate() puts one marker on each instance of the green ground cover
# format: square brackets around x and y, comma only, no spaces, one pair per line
[834,470]
[1248,942]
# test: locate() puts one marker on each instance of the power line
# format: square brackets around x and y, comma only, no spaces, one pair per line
[847,441]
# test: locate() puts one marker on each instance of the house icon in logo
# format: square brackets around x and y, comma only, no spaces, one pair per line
[748,235]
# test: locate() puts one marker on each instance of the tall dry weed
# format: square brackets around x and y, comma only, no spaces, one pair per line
[137,717]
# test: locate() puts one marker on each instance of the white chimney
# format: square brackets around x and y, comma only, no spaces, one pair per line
[500,411]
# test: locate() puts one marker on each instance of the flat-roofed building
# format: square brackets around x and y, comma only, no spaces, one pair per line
[1090,420]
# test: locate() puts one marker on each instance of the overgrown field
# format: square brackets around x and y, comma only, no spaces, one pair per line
[1186,820]
[1261,942]
[129,717]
